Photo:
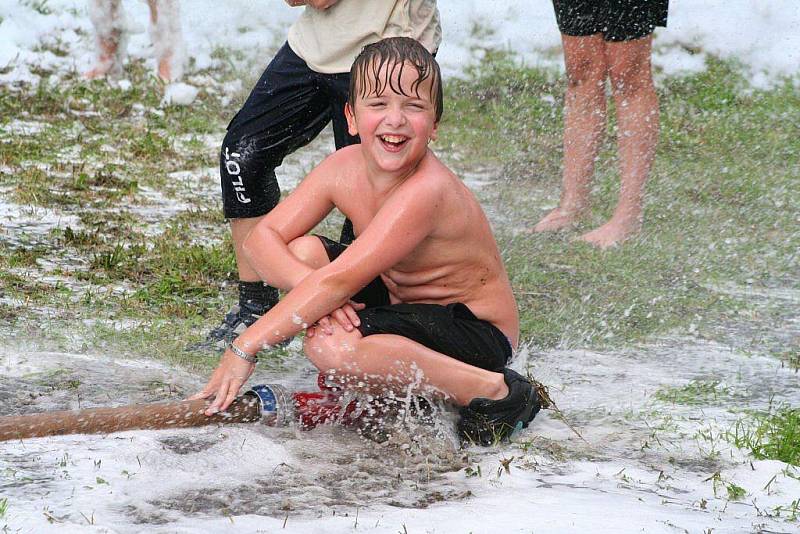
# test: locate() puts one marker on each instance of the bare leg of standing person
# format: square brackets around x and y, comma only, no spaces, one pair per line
[240,229]
[108,20]
[165,33]
[584,122]
[637,126]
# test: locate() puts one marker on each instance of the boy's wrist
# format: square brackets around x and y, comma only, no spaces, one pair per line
[249,358]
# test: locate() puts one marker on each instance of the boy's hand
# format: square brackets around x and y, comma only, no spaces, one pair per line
[225,382]
[346,316]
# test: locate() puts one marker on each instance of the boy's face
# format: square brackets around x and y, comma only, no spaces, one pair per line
[395,129]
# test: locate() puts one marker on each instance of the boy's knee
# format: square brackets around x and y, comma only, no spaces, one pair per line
[586,73]
[310,250]
[325,357]
[631,82]
[630,75]
[331,353]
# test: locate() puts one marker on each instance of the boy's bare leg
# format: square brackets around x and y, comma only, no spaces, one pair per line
[637,124]
[240,228]
[107,18]
[165,33]
[390,361]
[584,122]
[396,363]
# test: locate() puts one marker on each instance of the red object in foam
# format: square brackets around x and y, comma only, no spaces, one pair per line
[313,408]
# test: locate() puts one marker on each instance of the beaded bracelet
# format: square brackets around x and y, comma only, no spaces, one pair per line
[242,354]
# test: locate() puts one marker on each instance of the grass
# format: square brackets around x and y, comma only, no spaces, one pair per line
[771,435]
[721,207]
[58,380]
[695,393]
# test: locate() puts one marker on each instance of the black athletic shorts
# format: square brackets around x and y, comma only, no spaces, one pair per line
[617,20]
[287,109]
[452,329]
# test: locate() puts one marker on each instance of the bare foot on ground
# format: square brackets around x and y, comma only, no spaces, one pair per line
[165,69]
[558,219]
[612,233]
[100,70]
[106,61]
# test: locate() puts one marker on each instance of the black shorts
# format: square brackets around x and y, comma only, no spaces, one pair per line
[617,20]
[287,109]
[452,329]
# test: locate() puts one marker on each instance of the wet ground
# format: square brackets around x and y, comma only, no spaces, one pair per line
[669,461]
[620,456]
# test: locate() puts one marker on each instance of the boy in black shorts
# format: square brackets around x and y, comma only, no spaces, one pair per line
[607,39]
[302,90]
[420,300]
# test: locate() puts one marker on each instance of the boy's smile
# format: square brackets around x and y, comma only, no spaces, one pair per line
[395,128]
[393,143]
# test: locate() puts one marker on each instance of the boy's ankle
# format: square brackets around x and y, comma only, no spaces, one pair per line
[496,388]
[257,295]
[631,221]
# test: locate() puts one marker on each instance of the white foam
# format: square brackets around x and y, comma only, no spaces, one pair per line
[179,94]
[645,465]
[763,36]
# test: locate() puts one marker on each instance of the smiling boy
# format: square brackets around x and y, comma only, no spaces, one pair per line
[421,298]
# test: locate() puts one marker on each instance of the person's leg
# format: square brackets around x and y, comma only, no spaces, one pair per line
[637,126]
[108,19]
[384,363]
[339,87]
[310,250]
[429,349]
[165,33]
[584,123]
[285,111]
[240,229]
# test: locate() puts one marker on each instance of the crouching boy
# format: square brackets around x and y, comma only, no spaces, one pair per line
[421,298]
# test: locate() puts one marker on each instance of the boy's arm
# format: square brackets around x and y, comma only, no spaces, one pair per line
[267,245]
[403,222]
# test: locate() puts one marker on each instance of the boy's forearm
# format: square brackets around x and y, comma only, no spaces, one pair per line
[314,297]
[271,258]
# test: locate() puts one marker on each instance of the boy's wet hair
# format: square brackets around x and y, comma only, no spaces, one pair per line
[395,52]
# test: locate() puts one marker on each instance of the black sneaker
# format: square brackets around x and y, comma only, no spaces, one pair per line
[486,421]
[235,322]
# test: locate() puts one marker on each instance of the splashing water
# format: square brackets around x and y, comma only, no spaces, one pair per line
[645,462]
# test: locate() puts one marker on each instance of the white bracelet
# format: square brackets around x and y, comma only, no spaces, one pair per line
[242,354]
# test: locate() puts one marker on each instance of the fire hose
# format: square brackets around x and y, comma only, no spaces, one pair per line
[270,404]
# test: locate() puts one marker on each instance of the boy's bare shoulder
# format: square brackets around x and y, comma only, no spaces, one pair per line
[334,172]
[345,157]
[341,164]
[433,176]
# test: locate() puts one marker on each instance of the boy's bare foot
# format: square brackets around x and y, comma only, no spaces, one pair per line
[558,219]
[101,69]
[165,69]
[612,233]
[107,61]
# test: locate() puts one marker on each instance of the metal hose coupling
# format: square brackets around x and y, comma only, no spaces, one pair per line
[277,406]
